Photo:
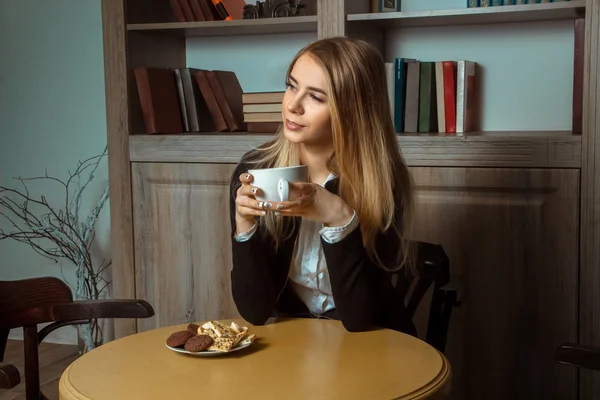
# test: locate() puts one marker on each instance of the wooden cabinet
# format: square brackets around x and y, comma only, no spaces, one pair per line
[511,236]
[182,241]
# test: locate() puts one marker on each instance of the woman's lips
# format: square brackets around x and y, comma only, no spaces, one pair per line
[292,125]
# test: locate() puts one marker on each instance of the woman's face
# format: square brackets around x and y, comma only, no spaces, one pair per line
[305,109]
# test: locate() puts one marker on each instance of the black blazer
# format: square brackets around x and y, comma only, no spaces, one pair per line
[363,293]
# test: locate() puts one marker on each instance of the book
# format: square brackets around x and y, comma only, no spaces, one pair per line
[465,96]
[378,6]
[157,91]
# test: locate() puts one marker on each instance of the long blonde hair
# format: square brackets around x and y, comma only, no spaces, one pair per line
[373,177]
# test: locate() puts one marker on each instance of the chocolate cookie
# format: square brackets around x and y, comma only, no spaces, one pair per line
[193,329]
[178,339]
[198,343]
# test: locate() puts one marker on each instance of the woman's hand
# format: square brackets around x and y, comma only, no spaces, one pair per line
[313,201]
[246,206]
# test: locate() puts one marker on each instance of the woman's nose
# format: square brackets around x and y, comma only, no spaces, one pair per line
[295,105]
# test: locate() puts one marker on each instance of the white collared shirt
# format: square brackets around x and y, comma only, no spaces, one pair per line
[308,274]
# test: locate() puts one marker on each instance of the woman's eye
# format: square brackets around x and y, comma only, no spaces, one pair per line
[289,85]
[316,98]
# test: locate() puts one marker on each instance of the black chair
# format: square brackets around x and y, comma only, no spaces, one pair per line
[29,302]
[432,268]
[580,356]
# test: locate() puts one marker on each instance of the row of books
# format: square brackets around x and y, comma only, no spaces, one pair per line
[206,10]
[186,100]
[432,96]
[493,3]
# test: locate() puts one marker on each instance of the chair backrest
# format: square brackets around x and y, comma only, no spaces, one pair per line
[432,269]
[23,302]
[28,302]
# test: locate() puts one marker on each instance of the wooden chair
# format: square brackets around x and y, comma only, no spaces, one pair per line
[579,356]
[29,302]
[433,268]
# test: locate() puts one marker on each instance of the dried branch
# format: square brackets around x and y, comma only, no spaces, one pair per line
[35,222]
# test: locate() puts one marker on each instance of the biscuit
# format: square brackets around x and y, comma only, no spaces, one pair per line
[193,329]
[178,338]
[198,343]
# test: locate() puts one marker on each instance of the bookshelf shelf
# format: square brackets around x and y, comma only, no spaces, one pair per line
[472,16]
[231,28]
[499,149]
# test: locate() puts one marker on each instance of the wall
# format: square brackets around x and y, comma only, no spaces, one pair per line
[255,72]
[52,115]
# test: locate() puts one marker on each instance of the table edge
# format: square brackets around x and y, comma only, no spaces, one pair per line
[66,390]
[438,388]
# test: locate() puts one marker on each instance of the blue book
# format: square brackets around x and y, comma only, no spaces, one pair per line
[472,3]
[400,92]
[508,2]
[496,3]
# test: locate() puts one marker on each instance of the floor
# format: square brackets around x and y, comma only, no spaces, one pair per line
[54,359]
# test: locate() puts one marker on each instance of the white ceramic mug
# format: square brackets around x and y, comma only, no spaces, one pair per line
[274,182]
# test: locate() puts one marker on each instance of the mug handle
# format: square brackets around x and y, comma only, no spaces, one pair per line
[283,189]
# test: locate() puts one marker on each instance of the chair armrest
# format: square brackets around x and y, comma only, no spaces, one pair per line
[579,356]
[455,285]
[9,376]
[112,308]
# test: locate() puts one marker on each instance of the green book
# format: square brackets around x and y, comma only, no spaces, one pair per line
[472,3]
[427,98]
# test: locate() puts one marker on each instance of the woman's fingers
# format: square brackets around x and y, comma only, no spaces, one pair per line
[246,178]
[301,188]
[244,201]
[299,203]
[251,211]
[248,190]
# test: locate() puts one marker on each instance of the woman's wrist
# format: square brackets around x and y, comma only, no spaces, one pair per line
[341,215]
[243,224]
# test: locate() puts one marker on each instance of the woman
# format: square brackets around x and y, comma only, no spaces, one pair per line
[328,251]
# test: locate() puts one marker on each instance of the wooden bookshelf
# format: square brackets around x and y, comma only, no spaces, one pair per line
[472,16]
[231,28]
[518,212]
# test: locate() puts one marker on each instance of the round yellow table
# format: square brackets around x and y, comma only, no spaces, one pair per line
[290,359]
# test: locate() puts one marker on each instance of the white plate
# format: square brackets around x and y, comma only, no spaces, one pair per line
[209,353]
